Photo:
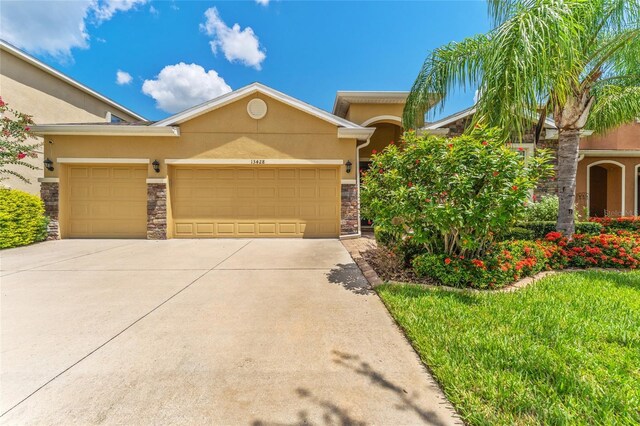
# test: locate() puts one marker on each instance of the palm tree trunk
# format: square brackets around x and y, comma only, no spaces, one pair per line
[568,145]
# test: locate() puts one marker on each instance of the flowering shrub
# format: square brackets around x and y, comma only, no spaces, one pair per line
[505,263]
[15,144]
[509,261]
[612,224]
[620,250]
[450,196]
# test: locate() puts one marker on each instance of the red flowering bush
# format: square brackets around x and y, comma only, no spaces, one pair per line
[620,250]
[510,261]
[505,263]
[612,224]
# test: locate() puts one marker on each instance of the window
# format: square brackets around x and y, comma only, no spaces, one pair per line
[116,119]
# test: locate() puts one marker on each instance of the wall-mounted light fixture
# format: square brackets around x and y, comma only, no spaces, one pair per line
[156,166]
[348,164]
[48,164]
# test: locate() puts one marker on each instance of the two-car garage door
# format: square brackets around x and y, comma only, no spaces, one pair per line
[109,201]
[255,201]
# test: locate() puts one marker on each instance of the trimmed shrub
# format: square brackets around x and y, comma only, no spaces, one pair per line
[507,262]
[22,219]
[612,224]
[517,233]
[541,229]
[620,250]
[544,209]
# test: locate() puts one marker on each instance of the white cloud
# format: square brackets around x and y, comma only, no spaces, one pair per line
[123,77]
[236,44]
[45,27]
[104,10]
[154,11]
[263,2]
[53,28]
[181,86]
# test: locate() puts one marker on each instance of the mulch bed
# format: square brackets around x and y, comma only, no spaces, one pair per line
[390,267]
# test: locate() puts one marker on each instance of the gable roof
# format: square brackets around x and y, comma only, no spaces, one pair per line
[7,47]
[253,88]
[168,127]
[466,113]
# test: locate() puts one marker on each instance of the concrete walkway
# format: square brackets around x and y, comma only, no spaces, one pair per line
[238,332]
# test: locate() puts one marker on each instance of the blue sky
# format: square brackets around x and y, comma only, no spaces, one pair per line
[306,49]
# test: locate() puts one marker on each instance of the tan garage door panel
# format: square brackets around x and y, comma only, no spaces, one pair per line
[255,202]
[107,202]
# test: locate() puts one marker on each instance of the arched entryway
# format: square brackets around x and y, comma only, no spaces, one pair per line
[606,188]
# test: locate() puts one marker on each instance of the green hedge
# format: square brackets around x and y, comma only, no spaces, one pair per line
[541,229]
[22,219]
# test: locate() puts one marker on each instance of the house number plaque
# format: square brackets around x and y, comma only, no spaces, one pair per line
[257,161]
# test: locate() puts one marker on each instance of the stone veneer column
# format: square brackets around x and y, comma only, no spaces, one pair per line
[349,209]
[50,194]
[156,211]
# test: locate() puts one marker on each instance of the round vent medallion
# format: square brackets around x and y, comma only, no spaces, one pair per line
[257,108]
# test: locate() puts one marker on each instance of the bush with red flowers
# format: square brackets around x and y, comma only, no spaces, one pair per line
[612,224]
[505,263]
[619,250]
[510,261]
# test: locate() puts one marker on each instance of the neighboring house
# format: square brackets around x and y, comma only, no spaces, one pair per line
[607,180]
[251,163]
[34,88]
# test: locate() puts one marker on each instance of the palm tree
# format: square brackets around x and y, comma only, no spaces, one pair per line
[576,60]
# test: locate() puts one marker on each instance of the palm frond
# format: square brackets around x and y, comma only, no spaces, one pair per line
[454,65]
[533,59]
[613,105]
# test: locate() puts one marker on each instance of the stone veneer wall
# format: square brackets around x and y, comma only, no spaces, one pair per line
[156,211]
[50,194]
[349,209]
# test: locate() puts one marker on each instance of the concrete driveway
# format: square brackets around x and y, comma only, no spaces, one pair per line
[246,332]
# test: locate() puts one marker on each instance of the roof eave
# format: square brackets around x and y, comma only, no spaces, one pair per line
[104,130]
[362,133]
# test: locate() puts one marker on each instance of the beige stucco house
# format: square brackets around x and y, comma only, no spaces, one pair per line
[32,87]
[251,163]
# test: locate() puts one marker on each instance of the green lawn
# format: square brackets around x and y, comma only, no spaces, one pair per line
[563,351]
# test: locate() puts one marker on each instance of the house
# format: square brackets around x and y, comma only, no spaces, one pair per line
[32,87]
[254,162]
[607,180]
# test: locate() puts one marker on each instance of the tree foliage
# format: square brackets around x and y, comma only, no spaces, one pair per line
[450,196]
[576,60]
[16,142]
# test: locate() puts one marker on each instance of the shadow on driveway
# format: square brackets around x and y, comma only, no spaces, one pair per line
[349,276]
[333,414]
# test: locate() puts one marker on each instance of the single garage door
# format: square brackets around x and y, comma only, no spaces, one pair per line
[255,201]
[107,201]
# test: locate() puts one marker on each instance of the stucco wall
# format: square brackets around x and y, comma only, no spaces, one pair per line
[225,133]
[359,113]
[47,99]
[614,189]
[624,137]
[384,134]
